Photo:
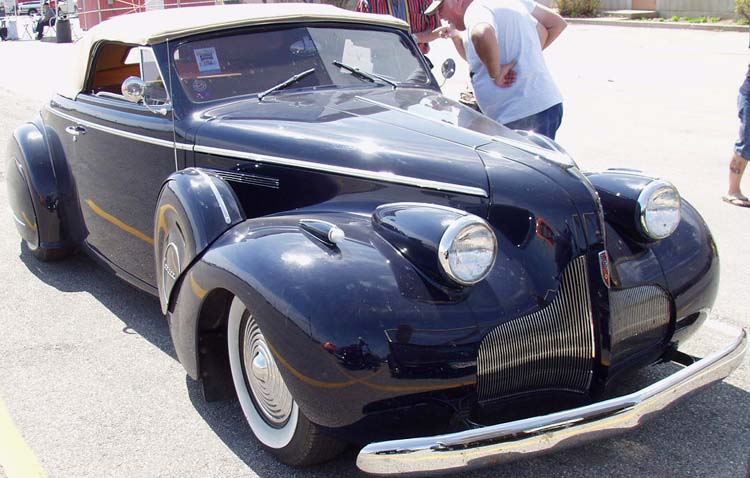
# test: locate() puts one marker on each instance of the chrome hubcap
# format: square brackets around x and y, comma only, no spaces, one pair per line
[271,397]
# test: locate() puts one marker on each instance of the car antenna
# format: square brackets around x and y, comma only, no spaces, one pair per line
[171,92]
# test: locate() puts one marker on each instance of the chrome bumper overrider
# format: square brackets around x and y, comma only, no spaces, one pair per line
[524,438]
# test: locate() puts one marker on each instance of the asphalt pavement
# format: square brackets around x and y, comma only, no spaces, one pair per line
[89,382]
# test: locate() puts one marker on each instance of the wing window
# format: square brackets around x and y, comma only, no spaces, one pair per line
[115,62]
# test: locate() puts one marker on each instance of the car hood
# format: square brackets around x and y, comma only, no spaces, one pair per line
[405,132]
[537,205]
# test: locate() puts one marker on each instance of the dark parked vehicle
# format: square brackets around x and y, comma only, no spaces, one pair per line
[355,256]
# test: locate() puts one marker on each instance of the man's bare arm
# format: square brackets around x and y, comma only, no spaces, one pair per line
[485,44]
[459,44]
[552,23]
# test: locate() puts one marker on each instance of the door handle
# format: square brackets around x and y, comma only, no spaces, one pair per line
[75,131]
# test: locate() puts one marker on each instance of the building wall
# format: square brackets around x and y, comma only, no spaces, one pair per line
[668,8]
[605,4]
[696,8]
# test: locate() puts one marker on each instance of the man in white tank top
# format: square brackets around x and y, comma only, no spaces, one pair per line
[503,43]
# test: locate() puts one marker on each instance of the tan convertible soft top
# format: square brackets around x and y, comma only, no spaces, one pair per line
[156,26]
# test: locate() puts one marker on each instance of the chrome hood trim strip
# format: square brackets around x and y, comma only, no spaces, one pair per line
[551,155]
[536,435]
[344,171]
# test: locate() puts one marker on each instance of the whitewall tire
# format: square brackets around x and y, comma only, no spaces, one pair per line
[268,406]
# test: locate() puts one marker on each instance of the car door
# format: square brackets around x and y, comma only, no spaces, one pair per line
[120,153]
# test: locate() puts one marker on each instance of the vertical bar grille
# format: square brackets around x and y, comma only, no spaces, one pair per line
[551,349]
[639,318]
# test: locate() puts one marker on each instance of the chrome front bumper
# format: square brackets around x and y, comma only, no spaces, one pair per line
[531,436]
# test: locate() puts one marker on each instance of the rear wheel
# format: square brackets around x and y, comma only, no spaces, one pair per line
[44,254]
[270,410]
[32,11]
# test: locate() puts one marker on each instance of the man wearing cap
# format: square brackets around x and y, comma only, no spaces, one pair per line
[424,28]
[503,44]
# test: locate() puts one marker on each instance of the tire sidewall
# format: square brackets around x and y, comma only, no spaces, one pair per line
[274,438]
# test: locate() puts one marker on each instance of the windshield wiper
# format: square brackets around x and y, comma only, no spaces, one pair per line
[372,77]
[285,83]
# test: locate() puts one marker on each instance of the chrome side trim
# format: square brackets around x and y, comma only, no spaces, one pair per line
[533,436]
[296,163]
[357,173]
[217,195]
[123,134]
[246,178]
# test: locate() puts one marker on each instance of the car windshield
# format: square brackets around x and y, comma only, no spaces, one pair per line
[248,63]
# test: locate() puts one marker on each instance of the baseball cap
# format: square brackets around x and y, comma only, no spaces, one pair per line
[433,8]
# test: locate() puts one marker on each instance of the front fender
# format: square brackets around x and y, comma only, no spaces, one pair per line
[690,261]
[352,325]
[686,263]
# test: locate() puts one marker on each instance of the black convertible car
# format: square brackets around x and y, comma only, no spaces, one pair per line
[355,257]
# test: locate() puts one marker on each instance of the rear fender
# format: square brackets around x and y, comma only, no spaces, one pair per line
[42,194]
[194,208]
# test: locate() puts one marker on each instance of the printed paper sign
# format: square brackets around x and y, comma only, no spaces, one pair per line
[357,56]
[207,60]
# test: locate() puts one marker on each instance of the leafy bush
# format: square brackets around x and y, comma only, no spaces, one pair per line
[743,8]
[581,8]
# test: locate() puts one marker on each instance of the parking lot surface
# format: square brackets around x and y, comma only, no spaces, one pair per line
[90,386]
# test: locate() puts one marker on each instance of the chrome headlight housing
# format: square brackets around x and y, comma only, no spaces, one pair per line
[467,250]
[659,209]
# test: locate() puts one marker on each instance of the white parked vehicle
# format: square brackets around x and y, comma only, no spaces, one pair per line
[30,8]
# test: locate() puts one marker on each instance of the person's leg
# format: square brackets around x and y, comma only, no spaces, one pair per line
[738,163]
[554,120]
[545,123]
[736,170]
[524,124]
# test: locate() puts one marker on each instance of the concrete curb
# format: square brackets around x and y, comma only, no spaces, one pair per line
[668,25]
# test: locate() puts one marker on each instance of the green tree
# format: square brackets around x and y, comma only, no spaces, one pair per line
[582,8]
[743,9]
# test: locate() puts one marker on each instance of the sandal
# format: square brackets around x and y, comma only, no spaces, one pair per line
[736,201]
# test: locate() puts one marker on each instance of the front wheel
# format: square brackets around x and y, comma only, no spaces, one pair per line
[270,410]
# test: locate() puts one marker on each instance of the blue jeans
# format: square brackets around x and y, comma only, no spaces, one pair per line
[742,145]
[547,122]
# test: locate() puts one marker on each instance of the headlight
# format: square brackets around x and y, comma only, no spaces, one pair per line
[467,250]
[659,205]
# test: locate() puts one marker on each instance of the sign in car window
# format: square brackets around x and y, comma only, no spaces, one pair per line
[207,60]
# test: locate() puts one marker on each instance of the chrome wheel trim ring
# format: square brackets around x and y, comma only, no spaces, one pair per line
[271,396]
[272,437]
[170,268]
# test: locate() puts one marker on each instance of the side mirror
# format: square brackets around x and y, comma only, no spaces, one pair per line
[134,89]
[448,69]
